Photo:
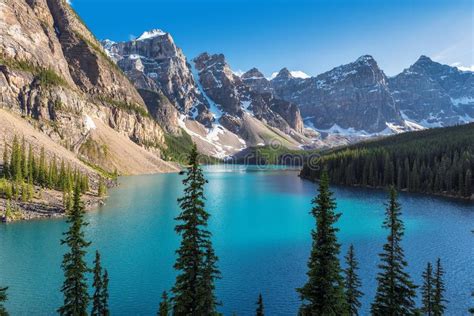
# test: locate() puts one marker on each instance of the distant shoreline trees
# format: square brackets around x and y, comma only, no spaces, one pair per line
[437,161]
[22,170]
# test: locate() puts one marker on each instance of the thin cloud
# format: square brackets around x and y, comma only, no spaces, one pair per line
[463,68]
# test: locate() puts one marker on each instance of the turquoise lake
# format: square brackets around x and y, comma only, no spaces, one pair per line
[261,231]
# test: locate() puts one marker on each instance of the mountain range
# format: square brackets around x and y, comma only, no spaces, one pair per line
[345,104]
[117,104]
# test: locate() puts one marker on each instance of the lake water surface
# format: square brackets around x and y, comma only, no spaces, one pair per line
[261,231]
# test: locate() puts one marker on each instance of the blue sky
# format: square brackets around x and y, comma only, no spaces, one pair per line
[309,35]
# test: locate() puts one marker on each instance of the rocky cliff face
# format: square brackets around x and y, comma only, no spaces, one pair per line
[353,96]
[434,94]
[204,90]
[53,71]
[358,99]
[235,96]
[257,81]
[154,62]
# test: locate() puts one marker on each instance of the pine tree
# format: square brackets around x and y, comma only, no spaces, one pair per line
[30,164]
[210,274]
[395,291]
[74,287]
[105,294]
[427,291]
[24,192]
[439,288]
[323,294]
[97,308]
[468,184]
[471,310]
[352,283]
[42,172]
[24,160]
[164,305]
[193,289]
[6,165]
[260,309]
[102,190]
[3,299]
[15,161]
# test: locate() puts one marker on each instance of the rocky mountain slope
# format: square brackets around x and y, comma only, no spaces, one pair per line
[56,75]
[434,94]
[343,105]
[359,99]
[353,96]
[85,94]
[204,97]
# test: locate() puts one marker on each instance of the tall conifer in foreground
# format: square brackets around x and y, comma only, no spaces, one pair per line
[260,309]
[3,299]
[471,310]
[427,291]
[395,291]
[164,305]
[104,296]
[97,308]
[74,287]
[323,294]
[352,283]
[438,295]
[196,263]
[210,274]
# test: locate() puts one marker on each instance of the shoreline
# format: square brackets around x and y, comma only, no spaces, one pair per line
[50,206]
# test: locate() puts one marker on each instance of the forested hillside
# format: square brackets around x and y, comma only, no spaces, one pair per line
[435,161]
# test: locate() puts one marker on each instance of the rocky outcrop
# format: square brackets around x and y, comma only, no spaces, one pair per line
[256,81]
[358,99]
[434,94]
[89,66]
[162,110]
[154,62]
[56,74]
[205,89]
[235,96]
[353,96]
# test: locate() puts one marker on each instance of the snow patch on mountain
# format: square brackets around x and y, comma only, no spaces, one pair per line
[214,138]
[295,74]
[462,100]
[213,107]
[151,34]
[89,123]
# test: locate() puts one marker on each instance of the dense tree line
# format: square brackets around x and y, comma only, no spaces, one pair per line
[22,169]
[436,161]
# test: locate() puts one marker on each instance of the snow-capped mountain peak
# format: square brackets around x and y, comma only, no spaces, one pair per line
[287,74]
[151,34]
[299,74]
